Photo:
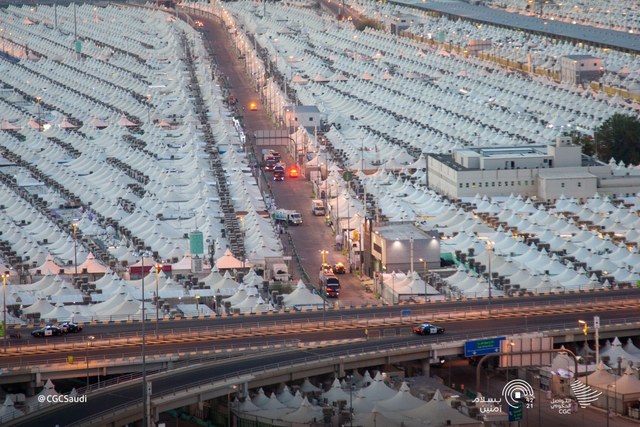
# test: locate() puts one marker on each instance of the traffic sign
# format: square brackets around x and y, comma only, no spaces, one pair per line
[515,413]
[347,175]
[406,312]
[481,347]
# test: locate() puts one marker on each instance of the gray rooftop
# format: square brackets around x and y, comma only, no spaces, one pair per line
[580,57]
[617,39]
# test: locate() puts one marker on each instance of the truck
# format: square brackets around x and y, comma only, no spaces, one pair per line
[329,283]
[270,163]
[288,216]
[317,207]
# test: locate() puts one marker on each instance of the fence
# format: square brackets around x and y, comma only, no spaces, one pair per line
[294,361]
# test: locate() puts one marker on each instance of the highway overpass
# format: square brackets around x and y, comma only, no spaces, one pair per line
[211,380]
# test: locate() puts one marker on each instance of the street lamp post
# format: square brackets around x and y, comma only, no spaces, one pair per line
[4,308]
[350,378]
[149,108]
[608,408]
[323,290]
[39,115]
[229,404]
[87,358]
[144,359]
[489,242]
[158,266]
[75,252]
[424,263]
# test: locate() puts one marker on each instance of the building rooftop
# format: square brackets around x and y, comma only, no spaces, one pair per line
[598,36]
[401,232]
[560,174]
[303,109]
[524,151]
[580,57]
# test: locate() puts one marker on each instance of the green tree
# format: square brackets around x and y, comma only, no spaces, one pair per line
[366,22]
[619,137]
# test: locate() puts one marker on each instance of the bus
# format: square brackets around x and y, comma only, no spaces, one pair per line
[330,283]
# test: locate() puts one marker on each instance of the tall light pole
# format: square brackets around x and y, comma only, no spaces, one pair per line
[149,108]
[323,290]
[355,47]
[75,251]
[229,403]
[489,242]
[411,241]
[424,263]
[350,378]
[4,307]
[87,358]
[39,115]
[608,408]
[144,359]
[158,266]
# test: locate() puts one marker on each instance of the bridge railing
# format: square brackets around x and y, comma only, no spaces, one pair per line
[376,350]
[196,360]
[219,351]
[333,318]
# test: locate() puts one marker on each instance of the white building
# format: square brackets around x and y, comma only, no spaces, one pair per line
[391,247]
[542,171]
[578,69]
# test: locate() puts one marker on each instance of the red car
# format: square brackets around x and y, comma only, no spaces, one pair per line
[293,173]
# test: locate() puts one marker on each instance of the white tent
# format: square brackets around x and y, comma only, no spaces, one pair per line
[439,413]
[307,413]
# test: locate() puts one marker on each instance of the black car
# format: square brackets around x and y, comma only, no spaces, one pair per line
[339,268]
[47,331]
[276,156]
[70,327]
[427,328]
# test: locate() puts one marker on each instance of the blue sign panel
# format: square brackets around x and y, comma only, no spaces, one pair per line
[406,312]
[482,347]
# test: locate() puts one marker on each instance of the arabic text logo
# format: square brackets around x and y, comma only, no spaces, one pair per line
[584,394]
[516,392]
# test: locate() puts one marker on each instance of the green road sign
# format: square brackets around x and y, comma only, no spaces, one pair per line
[347,176]
[515,414]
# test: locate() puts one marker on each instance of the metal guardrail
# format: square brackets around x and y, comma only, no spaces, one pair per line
[417,314]
[305,361]
[270,348]
[219,350]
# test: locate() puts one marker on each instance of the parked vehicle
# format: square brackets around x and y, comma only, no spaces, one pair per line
[289,217]
[317,207]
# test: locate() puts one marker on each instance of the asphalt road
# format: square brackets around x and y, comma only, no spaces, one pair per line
[509,325]
[115,330]
[72,413]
